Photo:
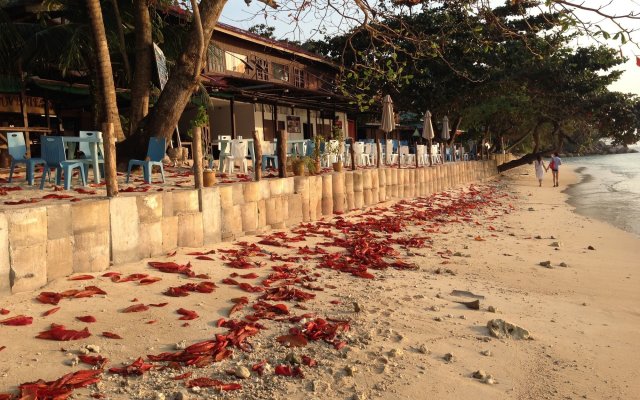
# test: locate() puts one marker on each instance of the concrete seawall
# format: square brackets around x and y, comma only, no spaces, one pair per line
[42,243]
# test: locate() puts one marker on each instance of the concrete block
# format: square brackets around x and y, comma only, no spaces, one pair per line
[375,180]
[59,221]
[366,179]
[252,192]
[288,186]
[357,182]
[150,239]
[350,201]
[249,214]
[327,195]
[90,216]
[167,204]
[91,251]
[338,183]
[358,200]
[185,202]
[226,196]
[261,206]
[265,191]
[301,187]
[382,185]
[400,185]
[28,267]
[315,194]
[150,207]
[276,187]
[237,192]
[124,229]
[211,215]
[367,197]
[375,196]
[27,226]
[59,258]
[274,212]
[169,234]
[5,263]
[190,230]
[294,216]
[283,205]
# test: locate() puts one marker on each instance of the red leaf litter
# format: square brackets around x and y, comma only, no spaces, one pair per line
[54,298]
[18,320]
[97,361]
[80,277]
[183,291]
[111,335]
[173,268]
[287,370]
[135,308]
[2,348]
[208,382]
[87,318]
[51,311]
[58,332]
[187,315]
[138,367]
[59,389]
[4,311]
[240,302]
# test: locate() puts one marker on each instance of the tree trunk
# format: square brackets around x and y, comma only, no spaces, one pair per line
[281,152]
[257,151]
[110,174]
[197,156]
[526,159]
[378,152]
[143,69]
[181,84]
[104,67]
[121,43]
[352,153]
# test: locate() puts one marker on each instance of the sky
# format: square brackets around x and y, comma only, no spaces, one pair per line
[237,13]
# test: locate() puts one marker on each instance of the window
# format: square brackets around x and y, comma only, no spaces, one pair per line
[280,72]
[298,77]
[235,62]
[215,58]
[262,69]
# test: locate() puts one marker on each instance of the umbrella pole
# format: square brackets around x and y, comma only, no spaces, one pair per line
[379,154]
[430,155]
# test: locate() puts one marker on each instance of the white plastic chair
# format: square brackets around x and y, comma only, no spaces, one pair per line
[362,158]
[422,159]
[238,153]
[436,157]
[405,157]
[390,155]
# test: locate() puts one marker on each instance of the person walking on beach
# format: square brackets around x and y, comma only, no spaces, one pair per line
[554,165]
[540,168]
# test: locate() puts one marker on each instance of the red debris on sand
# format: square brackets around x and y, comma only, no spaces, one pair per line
[149,281]
[183,291]
[240,302]
[19,202]
[111,335]
[87,319]
[158,305]
[2,348]
[173,268]
[58,332]
[59,389]
[284,293]
[80,277]
[135,308]
[316,330]
[287,370]
[18,320]
[187,315]
[200,253]
[294,340]
[138,367]
[208,382]
[4,311]
[97,361]
[54,298]
[204,258]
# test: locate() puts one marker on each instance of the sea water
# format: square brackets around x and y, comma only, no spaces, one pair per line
[609,188]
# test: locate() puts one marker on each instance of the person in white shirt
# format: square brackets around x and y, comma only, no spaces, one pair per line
[540,168]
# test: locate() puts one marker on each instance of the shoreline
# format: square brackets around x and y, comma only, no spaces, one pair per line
[583,335]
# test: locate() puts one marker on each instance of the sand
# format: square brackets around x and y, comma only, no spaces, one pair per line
[582,318]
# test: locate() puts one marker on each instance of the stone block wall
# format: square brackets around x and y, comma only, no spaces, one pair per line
[41,243]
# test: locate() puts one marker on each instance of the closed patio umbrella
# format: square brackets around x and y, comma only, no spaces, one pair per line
[444,135]
[427,131]
[388,122]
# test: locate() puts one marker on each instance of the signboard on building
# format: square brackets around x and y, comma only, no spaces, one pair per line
[10,103]
[293,124]
[161,66]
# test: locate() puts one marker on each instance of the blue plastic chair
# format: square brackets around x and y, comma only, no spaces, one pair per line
[86,151]
[18,151]
[310,147]
[55,157]
[155,154]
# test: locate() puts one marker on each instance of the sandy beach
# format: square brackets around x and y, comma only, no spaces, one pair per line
[402,335]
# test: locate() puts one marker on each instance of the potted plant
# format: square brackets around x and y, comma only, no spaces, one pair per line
[297,165]
[336,134]
[317,142]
